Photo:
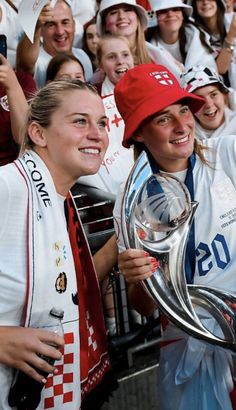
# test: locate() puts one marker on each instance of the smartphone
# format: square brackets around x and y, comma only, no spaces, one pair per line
[3,45]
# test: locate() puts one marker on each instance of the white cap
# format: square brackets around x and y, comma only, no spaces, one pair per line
[201,76]
[158,5]
[106,4]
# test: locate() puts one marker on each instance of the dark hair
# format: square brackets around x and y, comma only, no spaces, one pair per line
[199,148]
[57,61]
[85,44]
[154,33]
[220,19]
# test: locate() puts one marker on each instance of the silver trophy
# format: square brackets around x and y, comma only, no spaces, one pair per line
[157,213]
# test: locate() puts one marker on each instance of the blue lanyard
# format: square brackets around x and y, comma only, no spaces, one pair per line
[190,259]
[190,248]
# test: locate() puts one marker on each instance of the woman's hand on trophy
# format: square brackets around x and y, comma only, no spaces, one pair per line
[136,265]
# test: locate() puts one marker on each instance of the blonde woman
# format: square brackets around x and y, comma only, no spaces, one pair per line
[65,137]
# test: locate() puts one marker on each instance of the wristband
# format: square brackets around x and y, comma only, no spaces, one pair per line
[228,46]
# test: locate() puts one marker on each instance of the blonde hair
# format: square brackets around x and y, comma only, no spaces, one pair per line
[46,102]
[103,40]
[139,49]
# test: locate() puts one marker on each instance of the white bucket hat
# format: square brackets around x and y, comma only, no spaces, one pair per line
[106,4]
[158,5]
[201,76]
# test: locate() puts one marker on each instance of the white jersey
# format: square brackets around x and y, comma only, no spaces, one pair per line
[44,58]
[160,55]
[215,217]
[199,376]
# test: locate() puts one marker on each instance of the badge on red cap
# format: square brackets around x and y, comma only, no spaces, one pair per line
[163,77]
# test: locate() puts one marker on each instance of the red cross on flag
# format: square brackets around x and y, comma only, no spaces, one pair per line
[163,78]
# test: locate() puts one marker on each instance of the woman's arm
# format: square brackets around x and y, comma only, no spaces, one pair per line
[16,99]
[105,258]
[224,58]
[136,265]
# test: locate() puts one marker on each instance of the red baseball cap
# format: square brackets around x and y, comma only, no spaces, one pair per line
[145,90]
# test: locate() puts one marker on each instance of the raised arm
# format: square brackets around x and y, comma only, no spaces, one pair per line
[16,99]
[224,58]
[27,53]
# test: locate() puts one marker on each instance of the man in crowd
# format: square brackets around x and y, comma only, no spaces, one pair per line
[56,28]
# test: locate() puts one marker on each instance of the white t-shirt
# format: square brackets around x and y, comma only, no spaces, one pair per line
[173,49]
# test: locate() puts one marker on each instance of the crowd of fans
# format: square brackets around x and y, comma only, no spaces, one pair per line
[179,35]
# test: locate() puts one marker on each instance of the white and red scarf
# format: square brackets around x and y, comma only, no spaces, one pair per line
[60,273]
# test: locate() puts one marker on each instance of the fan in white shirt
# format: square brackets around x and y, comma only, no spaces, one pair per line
[217,115]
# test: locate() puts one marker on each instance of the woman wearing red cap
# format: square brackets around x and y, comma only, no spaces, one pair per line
[158,116]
